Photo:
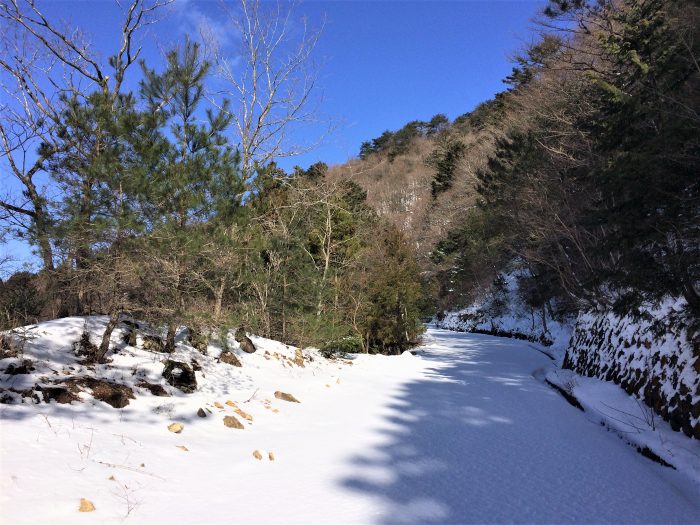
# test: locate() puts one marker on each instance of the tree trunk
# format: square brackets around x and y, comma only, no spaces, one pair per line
[107,336]
[170,338]
[284,308]
[219,299]
[544,318]
[692,297]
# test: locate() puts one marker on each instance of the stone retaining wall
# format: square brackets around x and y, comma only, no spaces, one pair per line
[655,357]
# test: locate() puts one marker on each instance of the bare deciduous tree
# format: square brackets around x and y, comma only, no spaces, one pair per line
[42,63]
[271,79]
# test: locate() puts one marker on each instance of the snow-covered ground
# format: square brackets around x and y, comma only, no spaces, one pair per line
[501,311]
[463,432]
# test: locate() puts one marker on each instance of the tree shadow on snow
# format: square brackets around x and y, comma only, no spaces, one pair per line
[479,440]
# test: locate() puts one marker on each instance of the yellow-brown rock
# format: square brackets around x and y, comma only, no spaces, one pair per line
[284,396]
[243,414]
[86,505]
[176,427]
[232,422]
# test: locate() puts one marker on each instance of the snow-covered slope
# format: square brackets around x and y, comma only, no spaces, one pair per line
[502,312]
[463,432]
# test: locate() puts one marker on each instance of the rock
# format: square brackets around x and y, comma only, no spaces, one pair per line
[114,394]
[257,455]
[286,397]
[129,338]
[231,404]
[155,389]
[58,394]
[112,478]
[229,358]
[176,427]
[338,381]
[246,344]
[86,505]
[198,340]
[180,375]
[218,405]
[153,343]
[271,456]
[182,447]
[201,413]
[23,367]
[232,422]
[244,415]
[299,358]
[7,346]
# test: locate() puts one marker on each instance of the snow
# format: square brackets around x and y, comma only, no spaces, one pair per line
[654,348]
[512,319]
[461,432]
[633,421]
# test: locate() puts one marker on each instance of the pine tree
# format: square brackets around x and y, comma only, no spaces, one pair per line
[197,182]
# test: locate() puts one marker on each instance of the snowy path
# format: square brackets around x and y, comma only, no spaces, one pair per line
[477,439]
[462,434]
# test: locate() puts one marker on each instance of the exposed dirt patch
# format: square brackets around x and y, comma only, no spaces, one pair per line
[22,367]
[647,453]
[84,347]
[59,394]
[114,394]
[153,388]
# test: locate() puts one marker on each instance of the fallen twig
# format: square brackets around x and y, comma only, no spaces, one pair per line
[132,469]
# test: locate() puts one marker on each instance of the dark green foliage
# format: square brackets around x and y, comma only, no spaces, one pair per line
[592,184]
[533,60]
[345,345]
[20,300]
[486,114]
[317,171]
[394,294]
[444,159]
[499,303]
[395,143]
[601,195]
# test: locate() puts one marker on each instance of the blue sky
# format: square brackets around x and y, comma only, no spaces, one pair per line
[387,63]
[382,63]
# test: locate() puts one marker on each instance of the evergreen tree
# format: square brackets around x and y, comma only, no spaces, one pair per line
[197,182]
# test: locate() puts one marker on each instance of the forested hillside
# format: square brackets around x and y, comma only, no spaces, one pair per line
[162,201]
[203,305]
[573,193]
[584,169]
